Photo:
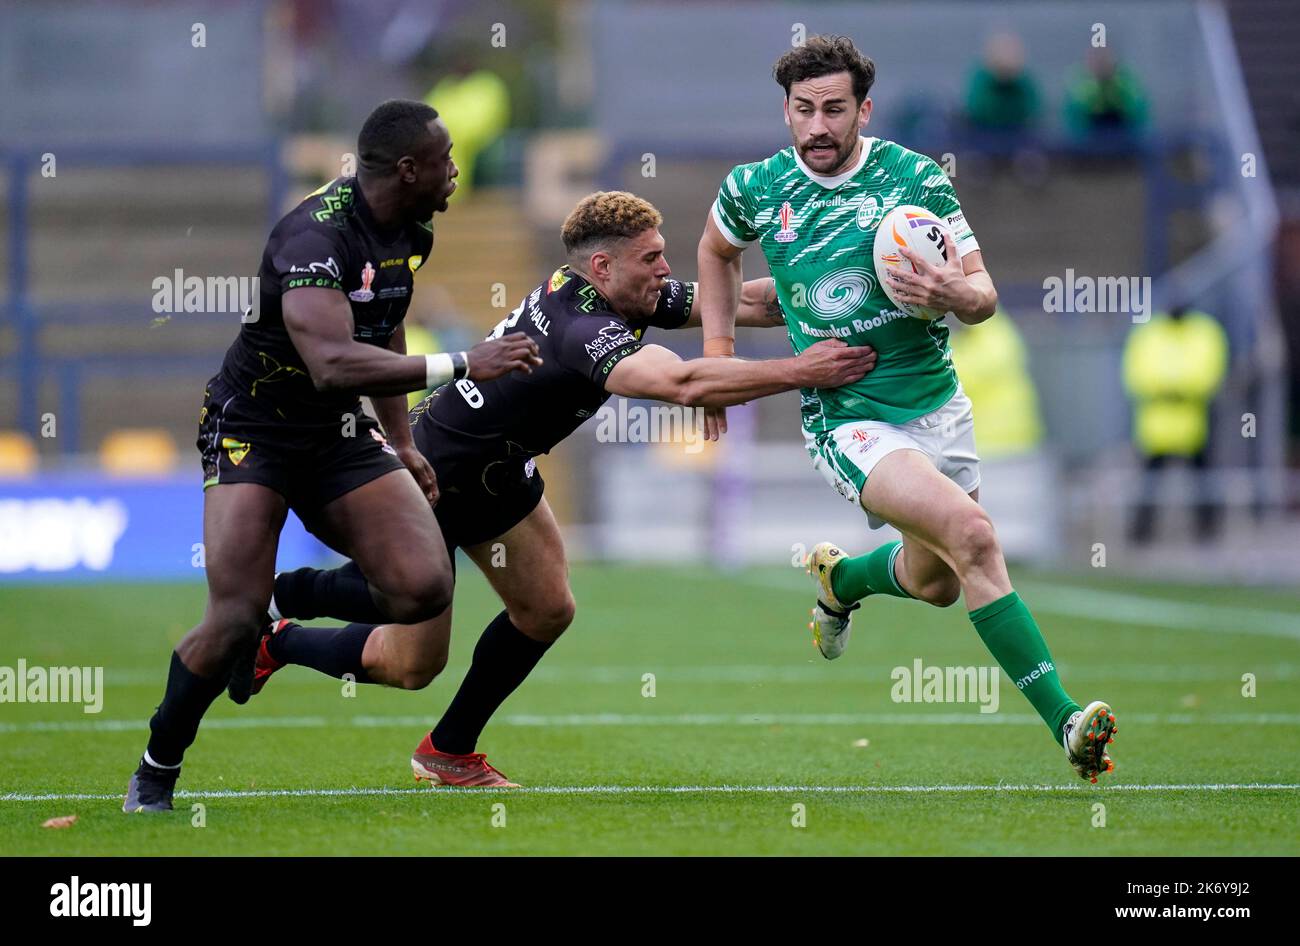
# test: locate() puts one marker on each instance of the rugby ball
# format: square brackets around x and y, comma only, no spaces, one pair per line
[922,233]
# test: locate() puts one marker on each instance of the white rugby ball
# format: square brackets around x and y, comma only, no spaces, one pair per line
[922,233]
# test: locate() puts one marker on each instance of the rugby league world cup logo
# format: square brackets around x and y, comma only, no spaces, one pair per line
[786,233]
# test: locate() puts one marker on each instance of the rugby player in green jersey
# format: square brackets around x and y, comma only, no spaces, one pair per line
[900,442]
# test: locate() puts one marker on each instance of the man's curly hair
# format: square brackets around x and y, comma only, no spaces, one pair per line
[824,55]
[605,217]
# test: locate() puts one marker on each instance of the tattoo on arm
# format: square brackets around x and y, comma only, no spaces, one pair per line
[772,304]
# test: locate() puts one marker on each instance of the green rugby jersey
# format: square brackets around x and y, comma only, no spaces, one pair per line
[817,234]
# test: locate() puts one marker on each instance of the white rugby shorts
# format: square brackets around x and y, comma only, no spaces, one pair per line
[846,455]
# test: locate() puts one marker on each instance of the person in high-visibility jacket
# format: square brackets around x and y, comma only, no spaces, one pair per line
[1174,365]
[475,106]
[992,364]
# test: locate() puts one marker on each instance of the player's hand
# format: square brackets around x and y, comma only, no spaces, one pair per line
[937,287]
[420,468]
[832,364]
[715,422]
[498,356]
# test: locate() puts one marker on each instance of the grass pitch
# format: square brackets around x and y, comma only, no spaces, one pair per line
[750,744]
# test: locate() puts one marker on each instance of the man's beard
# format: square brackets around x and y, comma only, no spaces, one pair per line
[842,152]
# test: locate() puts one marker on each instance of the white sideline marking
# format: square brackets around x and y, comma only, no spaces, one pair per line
[666,790]
[649,719]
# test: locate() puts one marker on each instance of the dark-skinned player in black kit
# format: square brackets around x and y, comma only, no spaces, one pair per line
[282,425]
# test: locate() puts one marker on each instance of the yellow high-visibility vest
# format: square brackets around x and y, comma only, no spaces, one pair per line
[476,110]
[991,362]
[1172,370]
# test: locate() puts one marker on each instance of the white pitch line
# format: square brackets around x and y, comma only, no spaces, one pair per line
[666,790]
[971,718]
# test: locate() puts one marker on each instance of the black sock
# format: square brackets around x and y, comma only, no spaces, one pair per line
[331,650]
[503,657]
[341,593]
[176,721]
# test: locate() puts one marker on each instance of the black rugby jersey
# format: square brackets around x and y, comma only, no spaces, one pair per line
[330,241]
[466,424]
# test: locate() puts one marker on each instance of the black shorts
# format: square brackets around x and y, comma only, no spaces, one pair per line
[309,465]
[473,509]
[481,496]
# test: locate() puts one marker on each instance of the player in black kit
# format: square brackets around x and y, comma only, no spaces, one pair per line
[282,427]
[589,321]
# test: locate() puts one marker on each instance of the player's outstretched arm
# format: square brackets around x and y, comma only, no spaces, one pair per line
[319,322]
[655,372]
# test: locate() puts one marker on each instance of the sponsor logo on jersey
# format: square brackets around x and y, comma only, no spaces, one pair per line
[558,279]
[959,227]
[392,262]
[382,441]
[825,203]
[609,338]
[614,359]
[786,234]
[530,468]
[328,266]
[869,213]
[470,392]
[364,294]
[840,292]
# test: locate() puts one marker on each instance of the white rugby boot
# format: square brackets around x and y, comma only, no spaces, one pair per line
[1086,735]
[831,619]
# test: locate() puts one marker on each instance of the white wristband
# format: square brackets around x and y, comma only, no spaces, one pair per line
[438,370]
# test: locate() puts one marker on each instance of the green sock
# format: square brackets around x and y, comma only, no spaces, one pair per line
[870,574]
[1009,632]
